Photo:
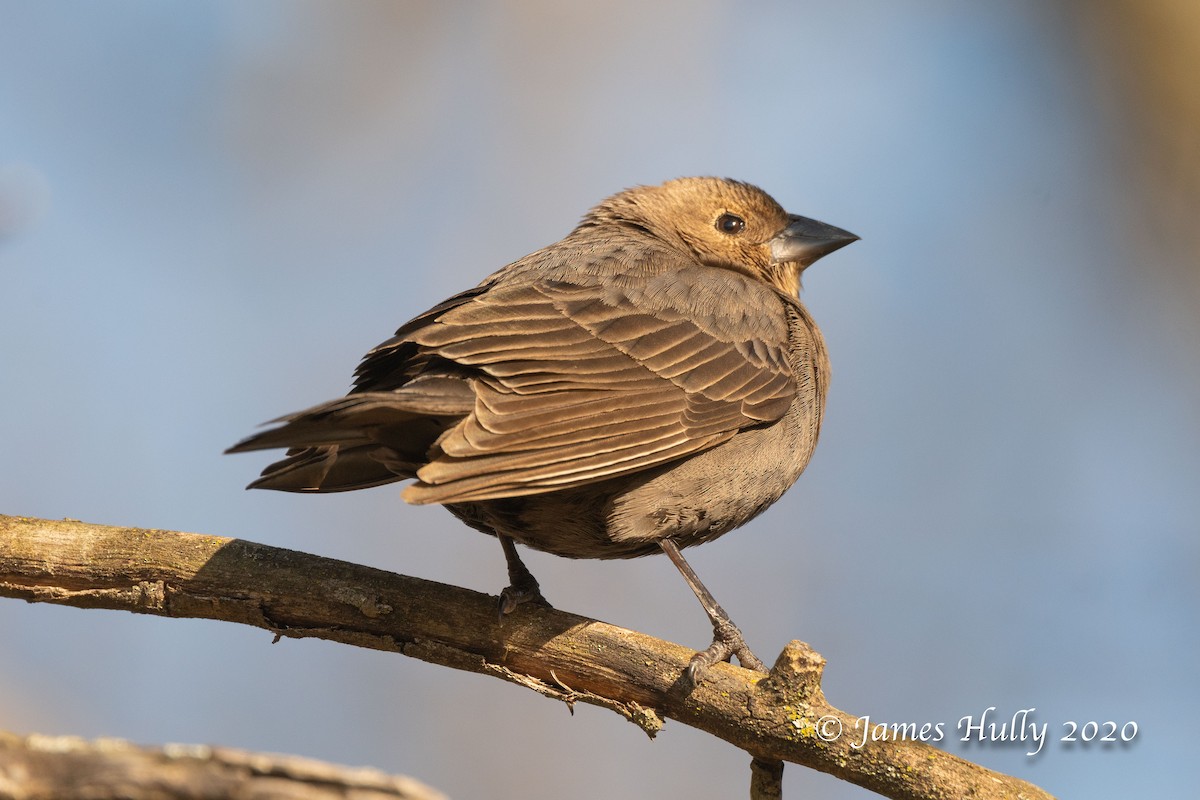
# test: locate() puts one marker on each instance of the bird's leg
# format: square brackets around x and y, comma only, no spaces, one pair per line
[727,639]
[522,586]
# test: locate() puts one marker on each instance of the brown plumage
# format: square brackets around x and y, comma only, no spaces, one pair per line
[649,382]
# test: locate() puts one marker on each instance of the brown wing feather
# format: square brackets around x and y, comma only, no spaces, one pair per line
[577,383]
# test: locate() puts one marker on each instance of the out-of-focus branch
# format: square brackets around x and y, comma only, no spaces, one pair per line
[1143,57]
[781,716]
[69,768]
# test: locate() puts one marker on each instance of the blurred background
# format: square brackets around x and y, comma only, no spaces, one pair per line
[209,211]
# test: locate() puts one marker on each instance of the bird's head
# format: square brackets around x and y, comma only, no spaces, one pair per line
[727,224]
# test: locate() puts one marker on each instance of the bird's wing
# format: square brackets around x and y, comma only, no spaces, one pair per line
[578,379]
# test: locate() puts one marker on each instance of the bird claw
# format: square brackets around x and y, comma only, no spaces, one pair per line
[727,643]
[513,596]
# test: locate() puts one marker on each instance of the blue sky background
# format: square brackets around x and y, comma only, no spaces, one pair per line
[209,211]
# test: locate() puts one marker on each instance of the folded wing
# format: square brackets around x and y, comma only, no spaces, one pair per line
[543,384]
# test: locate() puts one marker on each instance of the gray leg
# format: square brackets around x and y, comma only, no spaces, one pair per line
[727,639]
[522,586]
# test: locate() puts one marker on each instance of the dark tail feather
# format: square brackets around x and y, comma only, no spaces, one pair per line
[356,419]
[336,468]
[361,440]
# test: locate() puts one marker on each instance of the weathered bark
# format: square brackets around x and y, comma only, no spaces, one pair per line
[70,768]
[780,716]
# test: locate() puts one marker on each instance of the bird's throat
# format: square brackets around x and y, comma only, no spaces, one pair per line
[786,278]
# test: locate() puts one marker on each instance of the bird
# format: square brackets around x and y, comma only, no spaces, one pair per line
[647,383]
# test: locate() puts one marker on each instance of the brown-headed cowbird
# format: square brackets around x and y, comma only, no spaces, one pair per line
[648,383]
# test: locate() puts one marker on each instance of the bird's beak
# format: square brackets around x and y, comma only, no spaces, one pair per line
[805,240]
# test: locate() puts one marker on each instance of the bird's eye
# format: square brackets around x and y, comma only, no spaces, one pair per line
[731,224]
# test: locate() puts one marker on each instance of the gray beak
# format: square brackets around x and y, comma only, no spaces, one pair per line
[805,240]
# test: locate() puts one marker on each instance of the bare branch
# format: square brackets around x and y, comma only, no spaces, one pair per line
[775,717]
[70,768]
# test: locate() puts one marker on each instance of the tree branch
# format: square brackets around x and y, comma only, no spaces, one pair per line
[782,716]
[70,768]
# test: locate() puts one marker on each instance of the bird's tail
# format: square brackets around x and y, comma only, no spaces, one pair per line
[361,440]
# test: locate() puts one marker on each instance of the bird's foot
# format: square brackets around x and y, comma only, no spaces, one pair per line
[522,586]
[727,642]
[519,593]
